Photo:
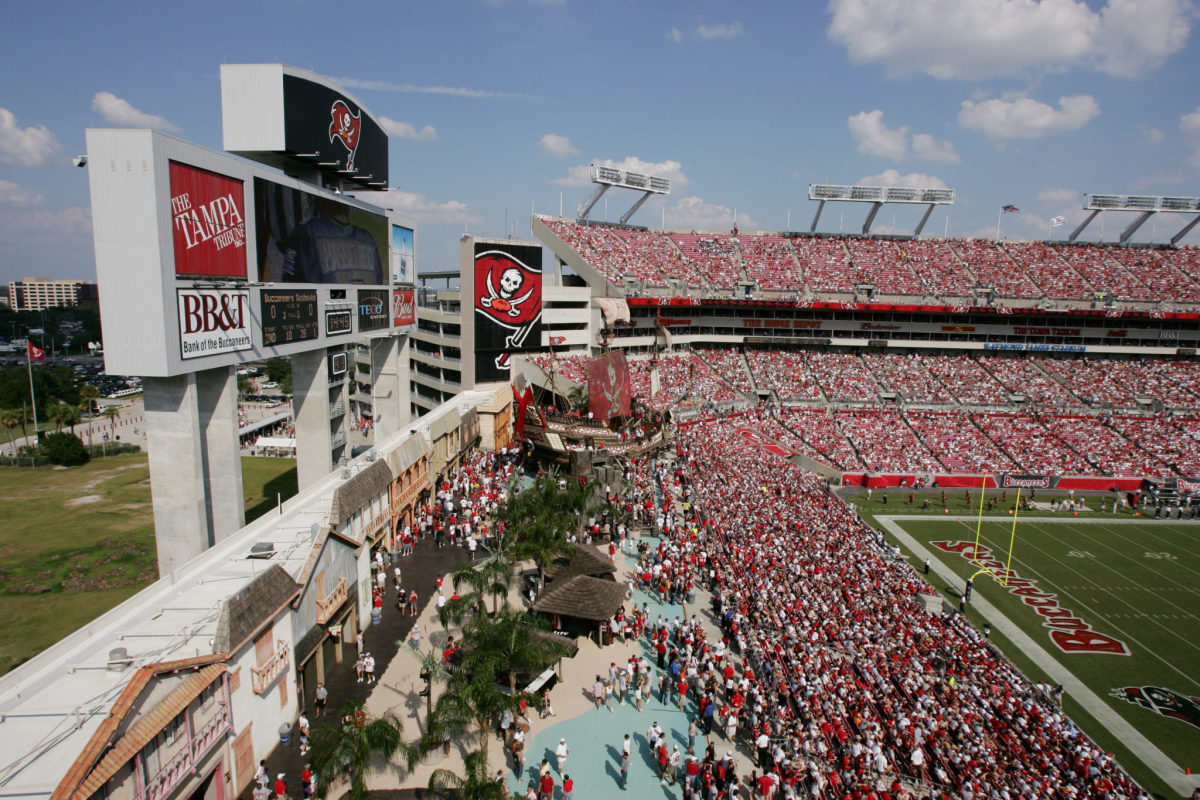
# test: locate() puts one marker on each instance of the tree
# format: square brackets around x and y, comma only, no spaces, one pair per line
[473,702]
[514,641]
[87,400]
[65,449]
[245,385]
[10,418]
[490,576]
[542,516]
[112,414]
[62,414]
[473,784]
[348,747]
[431,670]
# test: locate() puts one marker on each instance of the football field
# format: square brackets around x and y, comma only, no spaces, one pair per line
[1108,608]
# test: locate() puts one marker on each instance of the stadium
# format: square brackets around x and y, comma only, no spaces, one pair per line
[1018,620]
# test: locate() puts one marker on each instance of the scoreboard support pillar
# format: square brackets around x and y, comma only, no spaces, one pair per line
[390,401]
[321,414]
[195,463]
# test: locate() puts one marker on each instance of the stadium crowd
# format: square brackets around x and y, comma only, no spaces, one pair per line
[896,267]
[835,673]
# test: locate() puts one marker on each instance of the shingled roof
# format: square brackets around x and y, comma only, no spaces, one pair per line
[583,597]
[586,560]
[243,614]
[358,492]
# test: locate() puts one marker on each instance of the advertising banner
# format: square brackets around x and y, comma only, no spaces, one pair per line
[320,119]
[208,220]
[608,386]
[213,321]
[403,267]
[309,238]
[508,305]
[1028,481]
[372,309]
[404,307]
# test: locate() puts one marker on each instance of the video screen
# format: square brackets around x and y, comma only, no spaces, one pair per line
[308,238]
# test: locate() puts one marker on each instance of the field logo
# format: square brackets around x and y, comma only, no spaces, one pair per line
[345,126]
[1071,634]
[1164,701]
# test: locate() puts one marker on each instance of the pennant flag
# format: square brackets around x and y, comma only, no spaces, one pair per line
[1058,222]
[1009,209]
[35,353]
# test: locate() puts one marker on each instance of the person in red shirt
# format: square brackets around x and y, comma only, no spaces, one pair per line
[547,786]
[280,787]
[568,787]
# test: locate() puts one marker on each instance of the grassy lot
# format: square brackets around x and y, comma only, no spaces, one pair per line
[1136,582]
[76,542]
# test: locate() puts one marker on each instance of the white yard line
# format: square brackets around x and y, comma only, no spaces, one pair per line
[1142,748]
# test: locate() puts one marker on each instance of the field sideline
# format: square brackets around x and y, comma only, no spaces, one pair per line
[1107,607]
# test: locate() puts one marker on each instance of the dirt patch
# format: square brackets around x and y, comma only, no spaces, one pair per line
[83,501]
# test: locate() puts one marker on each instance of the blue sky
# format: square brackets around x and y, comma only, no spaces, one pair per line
[498,106]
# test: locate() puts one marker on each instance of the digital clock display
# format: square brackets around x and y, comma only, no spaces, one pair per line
[337,322]
[289,315]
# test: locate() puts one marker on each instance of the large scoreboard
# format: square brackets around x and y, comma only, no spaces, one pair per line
[204,259]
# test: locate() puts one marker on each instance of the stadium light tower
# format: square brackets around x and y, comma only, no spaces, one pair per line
[1147,205]
[877,196]
[606,178]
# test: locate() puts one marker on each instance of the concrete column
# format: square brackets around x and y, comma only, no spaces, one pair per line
[314,426]
[390,385]
[177,468]
[217,401]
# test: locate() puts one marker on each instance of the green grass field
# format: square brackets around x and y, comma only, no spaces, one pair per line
[1135,582]
[76,542]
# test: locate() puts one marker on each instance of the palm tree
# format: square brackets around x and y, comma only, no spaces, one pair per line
[348,747]
[87,400]
[474,783]
[473,702]
[431,669]
[542,516]
[492,576]
[513,640]
[112,414]
[10,418]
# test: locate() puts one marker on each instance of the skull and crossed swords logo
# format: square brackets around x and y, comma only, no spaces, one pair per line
[505,300]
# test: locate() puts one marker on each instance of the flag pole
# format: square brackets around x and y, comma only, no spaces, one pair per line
[998,216]
[32,396]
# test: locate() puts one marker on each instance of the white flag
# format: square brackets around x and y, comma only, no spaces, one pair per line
[1058,222]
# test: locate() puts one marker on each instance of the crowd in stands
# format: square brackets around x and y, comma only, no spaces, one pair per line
[861,692]
[770,261]
[952,413]
[919,267]
[884,441]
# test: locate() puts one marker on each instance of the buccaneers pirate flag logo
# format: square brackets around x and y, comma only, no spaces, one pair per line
[1164,701]
[345,126]
[508,302]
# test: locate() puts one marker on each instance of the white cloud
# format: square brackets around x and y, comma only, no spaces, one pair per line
[974,39]
[695,212]
[1058,198]
[24,147]
[1155,136]
[1026,118]
[707,33]
[581,174]
[16,196]
[116,111]
[406,130]
[455,91]
[557,146]
[422,208]
[890,177]
[1189,126]
[730,30]
[877,139]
